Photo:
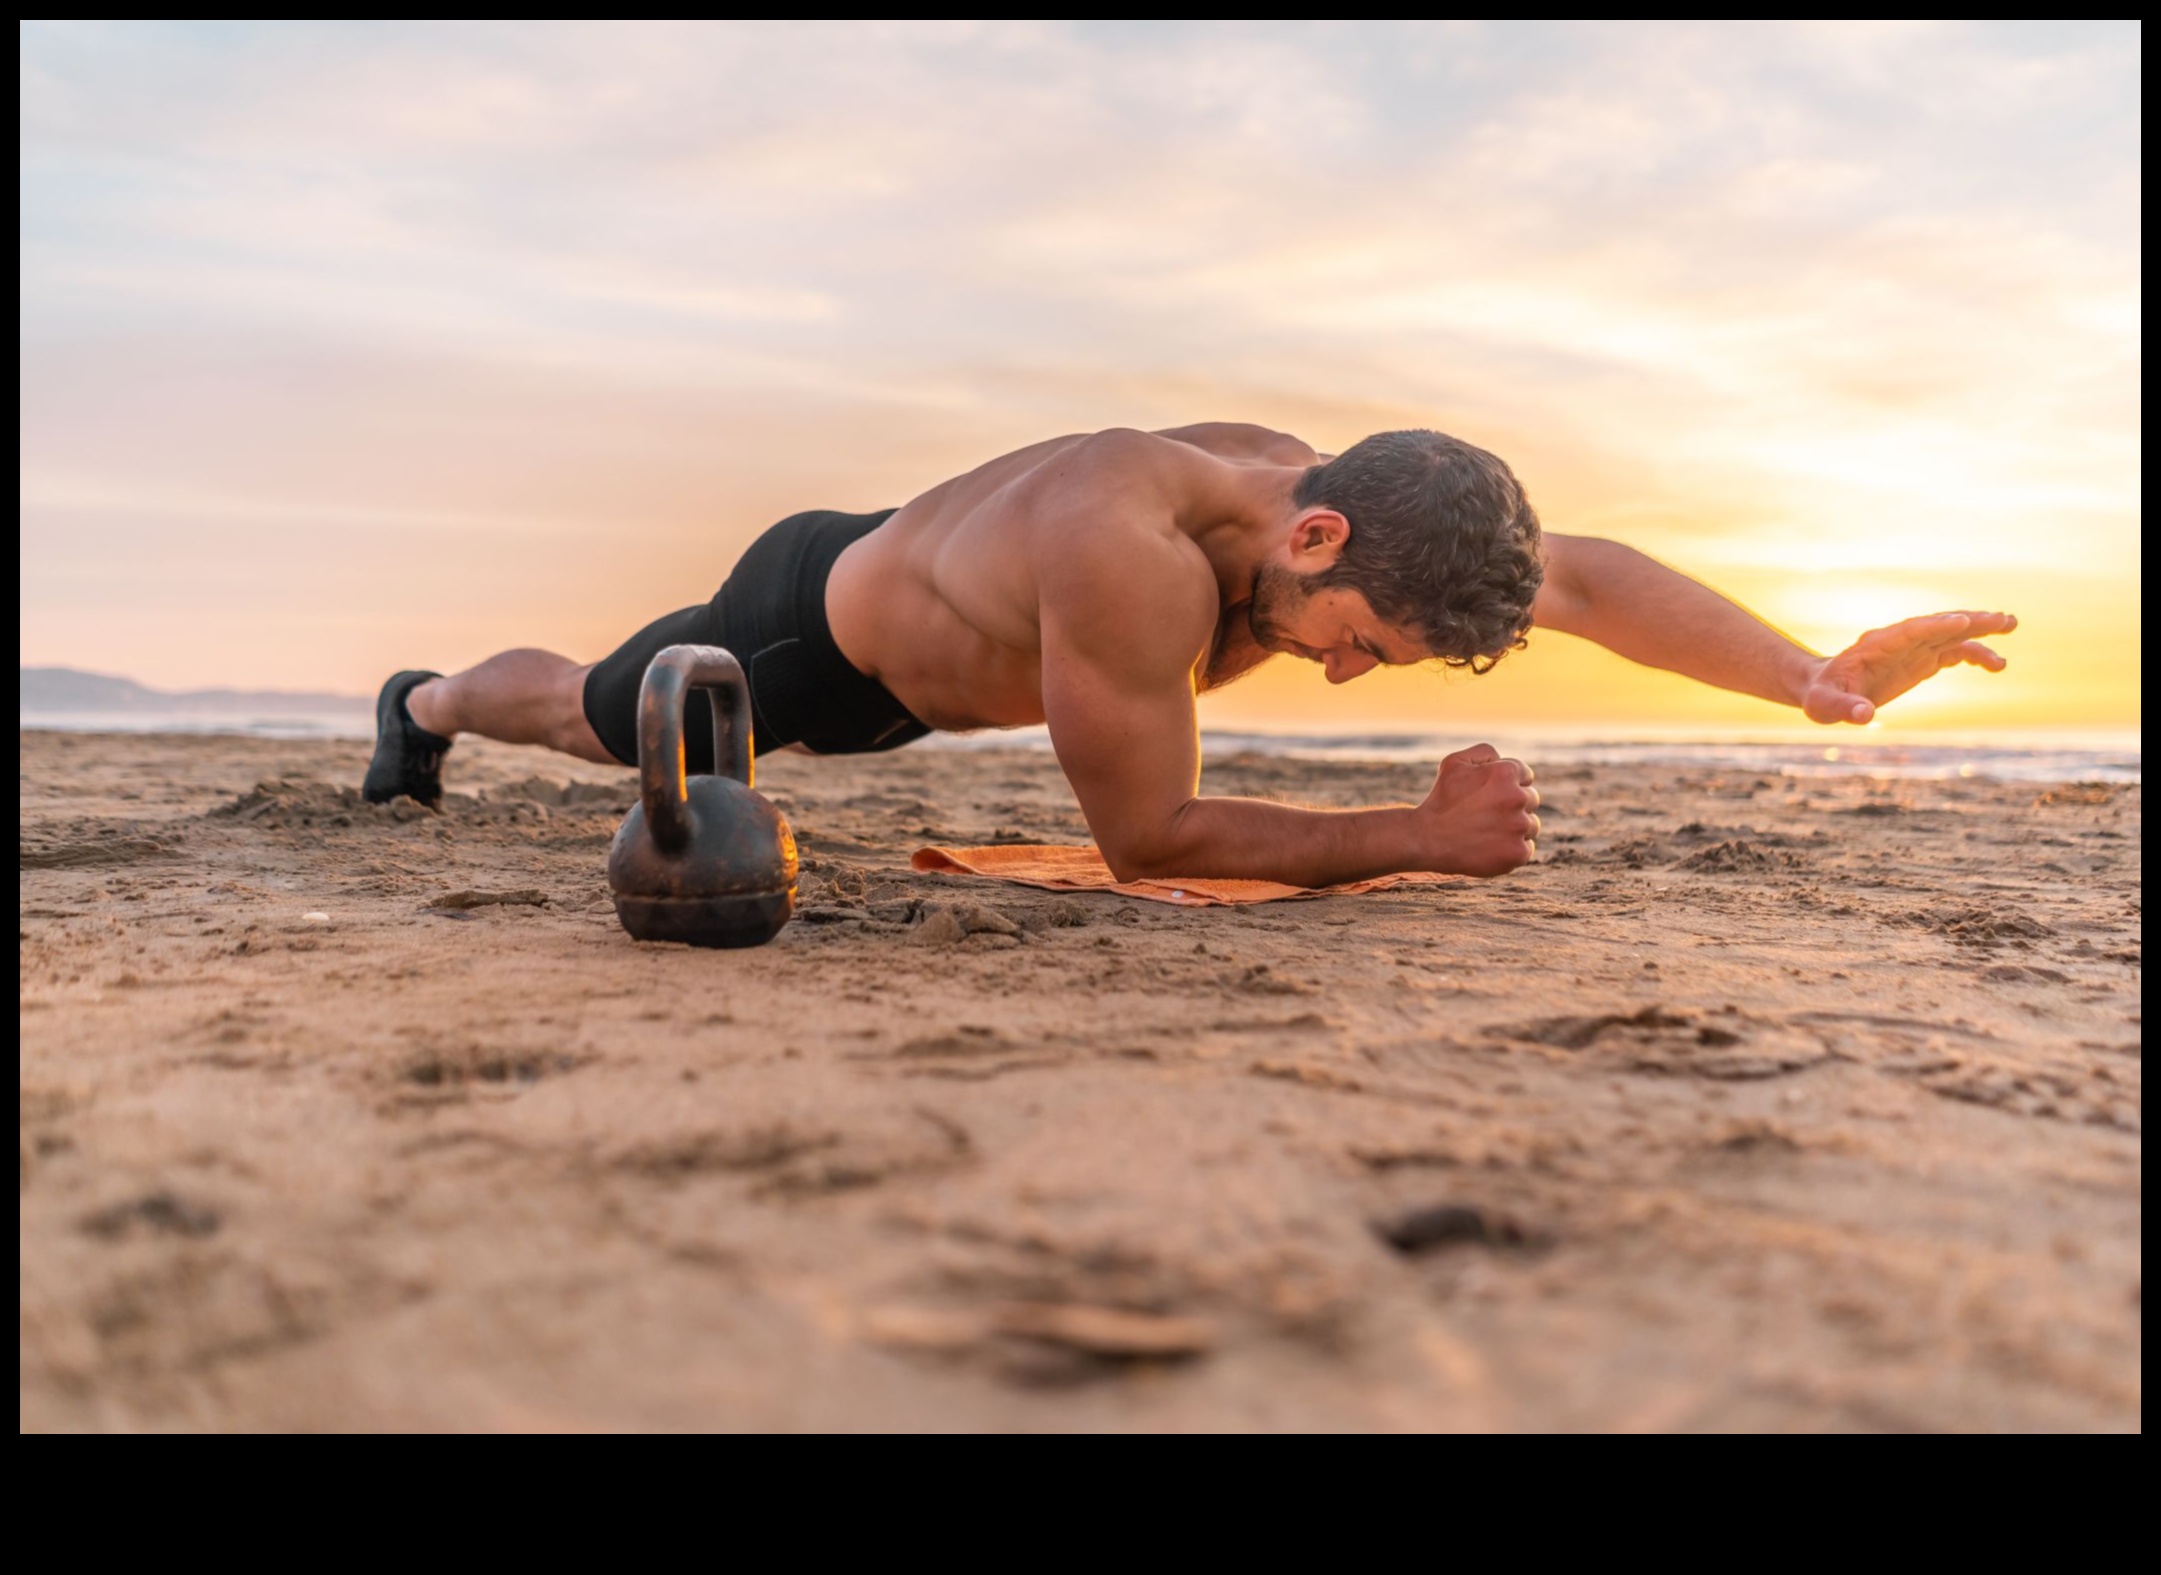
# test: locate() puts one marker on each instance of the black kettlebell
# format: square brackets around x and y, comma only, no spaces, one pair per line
[705,860]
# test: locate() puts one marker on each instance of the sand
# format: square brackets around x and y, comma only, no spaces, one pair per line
[1757,1104]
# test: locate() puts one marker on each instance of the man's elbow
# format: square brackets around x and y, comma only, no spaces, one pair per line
[1129,863]
[1160,853]
[1135,867]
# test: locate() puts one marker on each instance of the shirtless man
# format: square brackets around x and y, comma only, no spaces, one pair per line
[1099,582]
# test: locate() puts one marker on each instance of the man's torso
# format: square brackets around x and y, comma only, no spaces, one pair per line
[943,603]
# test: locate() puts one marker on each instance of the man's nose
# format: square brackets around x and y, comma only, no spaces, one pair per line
[1343,666]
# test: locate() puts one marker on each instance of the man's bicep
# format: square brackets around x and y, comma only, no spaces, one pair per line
[1128,744]
[1127,613]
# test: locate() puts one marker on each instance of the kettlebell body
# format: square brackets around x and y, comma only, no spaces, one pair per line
[704,860]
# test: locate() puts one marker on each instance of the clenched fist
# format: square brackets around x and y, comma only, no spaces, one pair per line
[1482,815]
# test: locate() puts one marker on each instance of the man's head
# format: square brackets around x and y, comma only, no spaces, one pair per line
[1435,537]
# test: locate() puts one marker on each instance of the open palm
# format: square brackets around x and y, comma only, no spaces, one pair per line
[1884,663]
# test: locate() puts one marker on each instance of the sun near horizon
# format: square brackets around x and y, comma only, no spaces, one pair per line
[348,348]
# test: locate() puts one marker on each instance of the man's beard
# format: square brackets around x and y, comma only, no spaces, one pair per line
[1277,594]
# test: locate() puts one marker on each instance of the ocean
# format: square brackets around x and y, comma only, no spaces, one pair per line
[1822,752]
[2034,756]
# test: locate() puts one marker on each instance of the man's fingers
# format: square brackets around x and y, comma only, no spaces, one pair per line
[1531,799]
[1975,652]
[1830,705]
[1476,755]
[1940,628]
[1936,626]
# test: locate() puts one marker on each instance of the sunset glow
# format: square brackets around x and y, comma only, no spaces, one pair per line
[348,348]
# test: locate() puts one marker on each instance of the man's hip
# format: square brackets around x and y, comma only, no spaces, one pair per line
[770,613]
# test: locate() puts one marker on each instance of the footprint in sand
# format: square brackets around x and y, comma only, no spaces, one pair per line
[1726,1046]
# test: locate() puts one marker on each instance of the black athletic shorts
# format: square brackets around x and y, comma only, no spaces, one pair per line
[771,615]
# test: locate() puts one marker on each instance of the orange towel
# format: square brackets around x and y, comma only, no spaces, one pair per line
[1083,869]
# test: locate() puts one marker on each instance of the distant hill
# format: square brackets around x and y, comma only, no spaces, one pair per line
[50,689]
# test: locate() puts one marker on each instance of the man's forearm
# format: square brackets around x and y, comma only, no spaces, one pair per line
[1636,606]
[1251,839]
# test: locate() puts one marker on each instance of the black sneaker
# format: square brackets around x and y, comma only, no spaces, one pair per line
[408,758]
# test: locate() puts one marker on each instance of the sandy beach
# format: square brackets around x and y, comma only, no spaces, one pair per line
[1758,1103]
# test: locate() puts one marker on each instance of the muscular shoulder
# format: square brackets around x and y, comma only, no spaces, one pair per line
[1178,451]
[1564,596]
[1244,443]
[1118,581]
[1115,491]
[1144,460]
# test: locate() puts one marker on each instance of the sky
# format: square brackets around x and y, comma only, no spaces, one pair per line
[354,347]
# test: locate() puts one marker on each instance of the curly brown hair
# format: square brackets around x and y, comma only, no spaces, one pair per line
[1443,542]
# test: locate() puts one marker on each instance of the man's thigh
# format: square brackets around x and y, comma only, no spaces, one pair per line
[609,692]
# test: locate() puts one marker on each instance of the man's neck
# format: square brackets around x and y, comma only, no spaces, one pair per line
[1243,525]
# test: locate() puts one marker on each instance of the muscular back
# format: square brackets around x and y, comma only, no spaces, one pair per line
[945,603]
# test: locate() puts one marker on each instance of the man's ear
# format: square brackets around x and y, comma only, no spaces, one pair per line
[1317,538]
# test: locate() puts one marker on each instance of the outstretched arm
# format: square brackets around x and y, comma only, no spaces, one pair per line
[1636,606]
[1122,634]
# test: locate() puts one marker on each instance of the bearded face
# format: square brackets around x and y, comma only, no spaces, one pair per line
[1278,594]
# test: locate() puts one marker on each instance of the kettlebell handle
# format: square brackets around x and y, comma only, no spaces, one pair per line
[661,767]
